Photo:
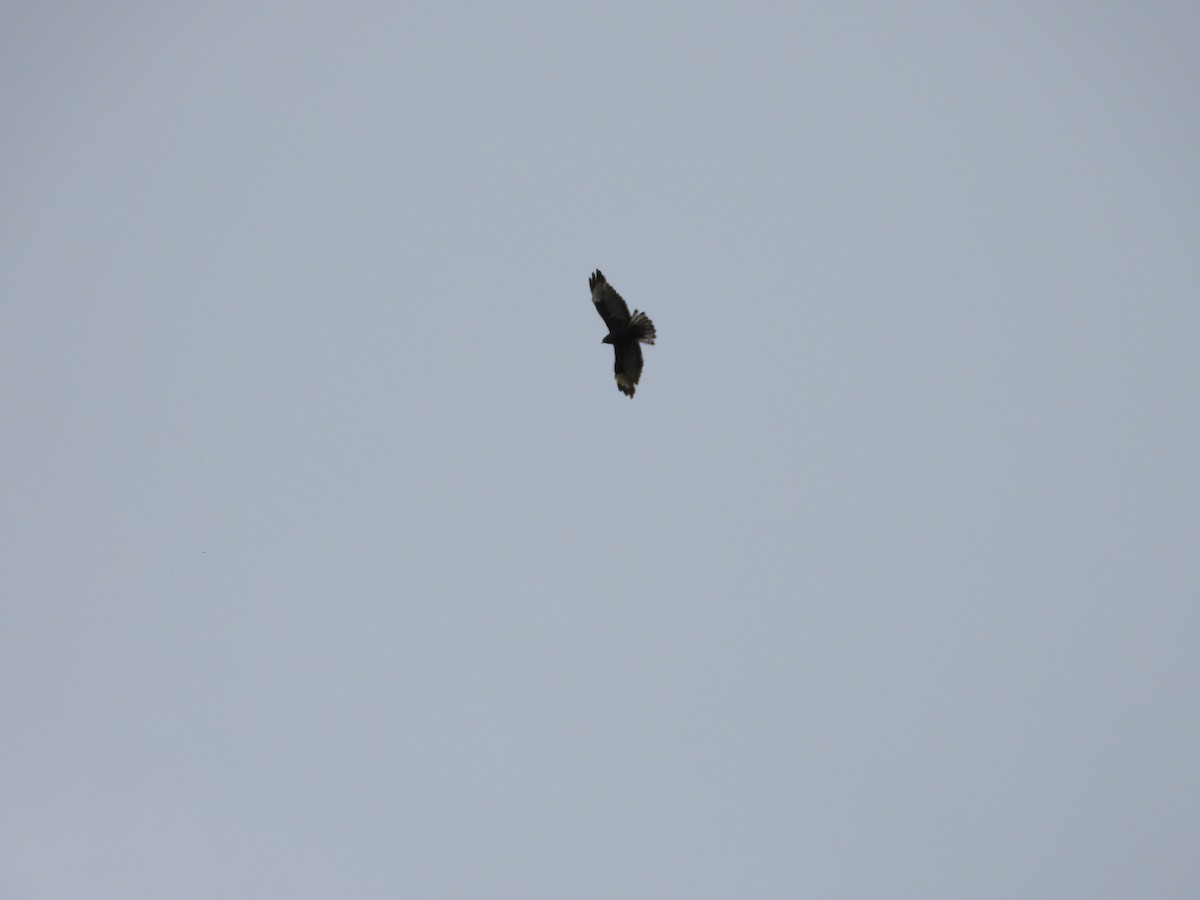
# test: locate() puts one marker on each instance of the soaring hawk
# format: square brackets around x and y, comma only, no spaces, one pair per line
[624,332]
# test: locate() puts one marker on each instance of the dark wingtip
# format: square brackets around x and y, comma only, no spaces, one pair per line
[596,278]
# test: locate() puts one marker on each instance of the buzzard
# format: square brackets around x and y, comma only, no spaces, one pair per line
[624,332]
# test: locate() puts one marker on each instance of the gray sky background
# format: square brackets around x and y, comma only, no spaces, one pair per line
[335,565]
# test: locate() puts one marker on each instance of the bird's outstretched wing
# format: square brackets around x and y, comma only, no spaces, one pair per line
[628,367]
[609,304]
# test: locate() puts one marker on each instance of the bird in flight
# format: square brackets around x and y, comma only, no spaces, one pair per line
[625,332]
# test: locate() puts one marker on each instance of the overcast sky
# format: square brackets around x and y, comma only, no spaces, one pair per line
[335,565]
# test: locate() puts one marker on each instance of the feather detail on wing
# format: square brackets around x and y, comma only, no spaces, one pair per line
[612,308]
[628,366]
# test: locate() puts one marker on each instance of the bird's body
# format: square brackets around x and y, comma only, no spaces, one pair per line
[625,332]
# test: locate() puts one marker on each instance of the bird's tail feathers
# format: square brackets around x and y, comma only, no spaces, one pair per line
[641,327]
